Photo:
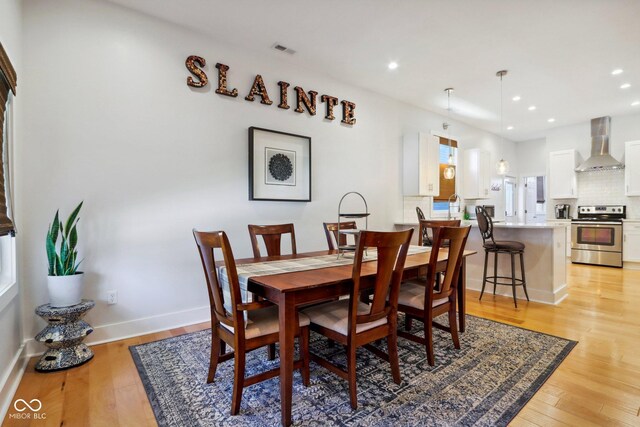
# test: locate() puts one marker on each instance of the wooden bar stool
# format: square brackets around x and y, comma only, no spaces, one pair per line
[485,224]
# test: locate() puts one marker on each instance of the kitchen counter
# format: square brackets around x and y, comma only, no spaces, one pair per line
[544,259]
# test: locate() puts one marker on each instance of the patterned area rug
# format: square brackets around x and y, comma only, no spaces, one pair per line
[485,383]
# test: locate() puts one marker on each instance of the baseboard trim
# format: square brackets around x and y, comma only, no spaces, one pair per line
[132,328]
[534,295]
[11,380]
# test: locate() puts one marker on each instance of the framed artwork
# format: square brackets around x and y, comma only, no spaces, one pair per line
[279,166]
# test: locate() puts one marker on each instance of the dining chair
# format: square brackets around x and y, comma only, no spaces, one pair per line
[420,300]
[354,323]
[228,325]
[331,232]
[428,225]
[424,239]
[272,236]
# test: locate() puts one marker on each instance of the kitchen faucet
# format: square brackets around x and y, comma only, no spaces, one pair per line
[455,197]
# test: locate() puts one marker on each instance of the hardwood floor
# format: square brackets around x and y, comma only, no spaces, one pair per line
[598,383]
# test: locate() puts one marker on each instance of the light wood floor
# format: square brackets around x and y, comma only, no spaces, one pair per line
[598,383]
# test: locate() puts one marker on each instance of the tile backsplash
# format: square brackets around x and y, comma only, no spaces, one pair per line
[602,188]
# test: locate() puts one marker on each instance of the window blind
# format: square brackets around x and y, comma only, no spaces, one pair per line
[8,80]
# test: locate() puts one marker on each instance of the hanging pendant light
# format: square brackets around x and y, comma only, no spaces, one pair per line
[503,165]
[449,171]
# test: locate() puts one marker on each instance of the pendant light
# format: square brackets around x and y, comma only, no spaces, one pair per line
[449,171]
[503,165]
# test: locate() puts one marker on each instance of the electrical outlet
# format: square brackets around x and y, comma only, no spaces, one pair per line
[112,297]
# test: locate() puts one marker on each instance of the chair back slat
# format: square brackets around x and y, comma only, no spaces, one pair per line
[331,233]
[392,250]
[272,237]
[429,224]
[457,238]
[207,241]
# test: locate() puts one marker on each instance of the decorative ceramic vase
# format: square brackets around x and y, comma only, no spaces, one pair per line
[65,291]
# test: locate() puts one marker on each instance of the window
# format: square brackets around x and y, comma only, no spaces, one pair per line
[447,186]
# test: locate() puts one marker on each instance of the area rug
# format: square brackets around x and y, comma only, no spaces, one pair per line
[485,383]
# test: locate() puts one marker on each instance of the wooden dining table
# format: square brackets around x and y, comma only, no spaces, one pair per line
[293,289]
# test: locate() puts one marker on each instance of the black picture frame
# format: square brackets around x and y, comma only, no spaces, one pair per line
[279,166]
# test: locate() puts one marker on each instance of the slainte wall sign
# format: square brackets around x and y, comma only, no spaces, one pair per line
[308,100]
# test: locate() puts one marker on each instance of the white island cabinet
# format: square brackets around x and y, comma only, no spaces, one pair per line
[476,179]
[562,174]
[632,168]
[421,164]
[545,259]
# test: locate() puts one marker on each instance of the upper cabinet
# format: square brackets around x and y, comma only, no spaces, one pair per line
[476,180]
[421,166]
[562,174]
[632,168]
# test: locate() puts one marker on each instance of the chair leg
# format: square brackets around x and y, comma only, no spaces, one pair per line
[223,347]
[495,272]
[484,274]
[513,278]
[304,354]
[215,353]
[524,281]
[392,349]
[351,370]
[271,351]
[453,325]
[238,381]
[428,336]
[408,323]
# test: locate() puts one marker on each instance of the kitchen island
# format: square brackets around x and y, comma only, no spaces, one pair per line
[544,259]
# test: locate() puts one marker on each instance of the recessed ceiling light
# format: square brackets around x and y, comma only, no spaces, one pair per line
[551,120]
[531,108]
[635,103]
[509,127]
[625,86]
[516,98]
[393,65]
[617,71]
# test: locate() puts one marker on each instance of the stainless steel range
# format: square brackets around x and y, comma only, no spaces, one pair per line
[596,235]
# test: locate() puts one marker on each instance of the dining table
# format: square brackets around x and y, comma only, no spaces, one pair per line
[292,289]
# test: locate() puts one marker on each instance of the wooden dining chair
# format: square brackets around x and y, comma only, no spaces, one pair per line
[272,237]
[354,323]
[428,225]
[331,232]
[228,324]
[420,300]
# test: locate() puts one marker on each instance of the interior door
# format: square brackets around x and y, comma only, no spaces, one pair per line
[510,199]
[534,203]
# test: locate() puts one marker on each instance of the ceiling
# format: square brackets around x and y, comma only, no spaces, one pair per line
[559,53]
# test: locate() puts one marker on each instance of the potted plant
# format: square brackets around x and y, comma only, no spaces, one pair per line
[64,281]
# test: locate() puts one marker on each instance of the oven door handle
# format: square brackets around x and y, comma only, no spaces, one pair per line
[608,224]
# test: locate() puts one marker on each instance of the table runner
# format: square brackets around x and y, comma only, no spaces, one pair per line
[267,268]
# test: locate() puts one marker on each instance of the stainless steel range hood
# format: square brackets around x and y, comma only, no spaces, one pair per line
[600,158]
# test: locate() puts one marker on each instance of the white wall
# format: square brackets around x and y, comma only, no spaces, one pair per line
[593,187]
[111,121]
[11,357]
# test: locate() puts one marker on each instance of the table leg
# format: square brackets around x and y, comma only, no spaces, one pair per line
[287,317]
[462,294]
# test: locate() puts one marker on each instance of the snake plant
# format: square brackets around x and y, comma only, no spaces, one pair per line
[62,259]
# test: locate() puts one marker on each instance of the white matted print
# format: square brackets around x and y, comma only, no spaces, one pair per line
[279,166]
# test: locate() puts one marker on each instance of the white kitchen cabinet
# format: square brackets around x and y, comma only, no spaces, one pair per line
[562,174]
[476,180]
[421,165]
[631,241]
[632,168]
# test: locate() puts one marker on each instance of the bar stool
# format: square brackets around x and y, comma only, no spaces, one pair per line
[485,224]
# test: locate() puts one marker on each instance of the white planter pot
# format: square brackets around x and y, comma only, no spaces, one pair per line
[65,291]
